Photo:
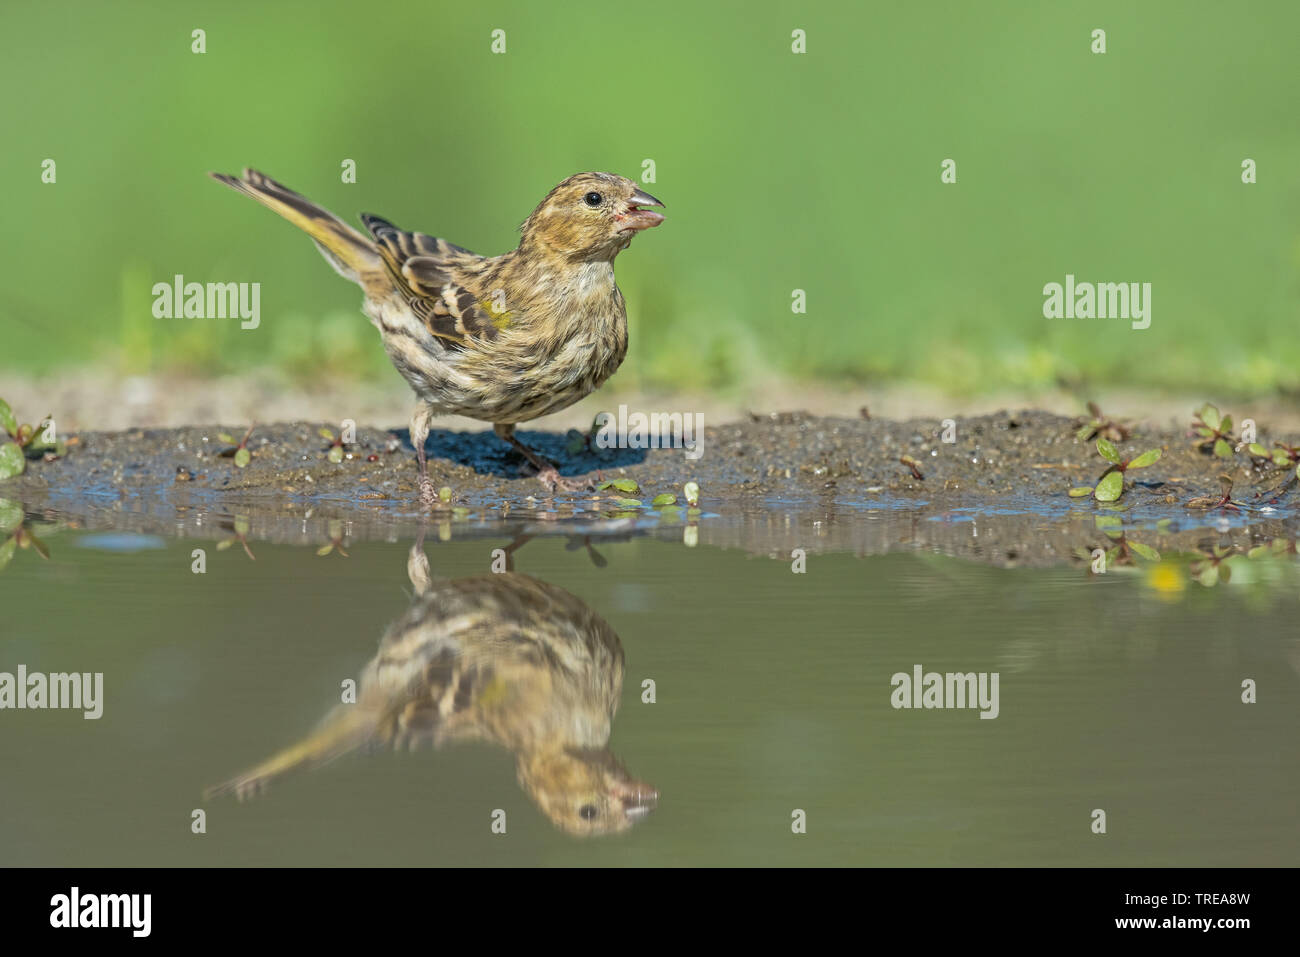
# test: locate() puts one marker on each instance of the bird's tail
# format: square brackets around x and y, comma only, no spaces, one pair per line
[346,728]
[352,255]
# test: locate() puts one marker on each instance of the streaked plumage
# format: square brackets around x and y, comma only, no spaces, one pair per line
[502,339]
[500,658]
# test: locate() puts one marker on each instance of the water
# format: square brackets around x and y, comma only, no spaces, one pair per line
[772,693]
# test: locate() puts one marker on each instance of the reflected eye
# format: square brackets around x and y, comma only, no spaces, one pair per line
[593,199]
[588,811]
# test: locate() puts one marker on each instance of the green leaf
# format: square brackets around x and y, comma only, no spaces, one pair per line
[325,433]
[1145,459]
[1080,491]
[444,494]
[226,437]
[335,454]
[1109,521]
[7,552]
[627,502]
[1281,458]
[1146,551]
[12,460]
[692,493]
[1110,487]
[1225,572]
[1222,449]
[1107,451]
[1209,576]
[7,418]
[1226,425]
[242,458]
[1210,416]
[11,516]
[1258,450]
[41,548]
[574,442]
[667,498]
[1203,432]
[325,549]
[624,485]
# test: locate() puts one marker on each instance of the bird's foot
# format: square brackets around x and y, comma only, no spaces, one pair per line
[428,494]
[555,482]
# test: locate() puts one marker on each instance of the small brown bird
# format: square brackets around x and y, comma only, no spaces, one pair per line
[502,339]
[502,658]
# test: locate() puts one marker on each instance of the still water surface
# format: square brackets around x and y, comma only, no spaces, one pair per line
[771,695]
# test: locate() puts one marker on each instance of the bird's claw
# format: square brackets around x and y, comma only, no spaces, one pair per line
[428,495]
[551,478]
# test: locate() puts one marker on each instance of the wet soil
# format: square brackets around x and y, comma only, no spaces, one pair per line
[996,493]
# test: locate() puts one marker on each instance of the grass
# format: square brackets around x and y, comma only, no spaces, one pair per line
[818,172]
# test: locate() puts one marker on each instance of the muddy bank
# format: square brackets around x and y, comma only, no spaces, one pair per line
[997,493]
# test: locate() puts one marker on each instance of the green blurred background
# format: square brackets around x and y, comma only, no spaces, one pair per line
[818,171]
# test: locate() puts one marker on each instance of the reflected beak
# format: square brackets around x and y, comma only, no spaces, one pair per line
[637,218]
[637,797]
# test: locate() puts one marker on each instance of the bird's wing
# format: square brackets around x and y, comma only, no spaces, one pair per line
[425,269]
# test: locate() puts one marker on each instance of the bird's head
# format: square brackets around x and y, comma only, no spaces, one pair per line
[590,216]
[586,792]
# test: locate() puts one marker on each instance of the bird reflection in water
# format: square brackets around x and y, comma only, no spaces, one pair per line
[502,658]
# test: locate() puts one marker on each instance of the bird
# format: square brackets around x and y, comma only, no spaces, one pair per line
[501,339]
[503,658]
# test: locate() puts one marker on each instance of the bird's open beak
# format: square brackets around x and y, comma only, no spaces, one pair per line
[637,798]
[637,218]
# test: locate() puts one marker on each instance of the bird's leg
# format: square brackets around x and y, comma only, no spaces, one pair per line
[420,420]
[547,473]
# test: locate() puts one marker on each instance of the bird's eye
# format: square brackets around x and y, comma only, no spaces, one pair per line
[593,199]
[588,811]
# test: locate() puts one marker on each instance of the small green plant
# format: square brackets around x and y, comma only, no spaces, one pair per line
[1214,431]
[18,443]
[1110,486]
[337,447]
[239,452]
[1211,567]
[336,540]
[16,534]
[1277,548]
[626,485]
[1283,456]
[692,493]
[664,499]
[240,527]
[577,443]
[1223,501]
[1120,553]
[1097,425]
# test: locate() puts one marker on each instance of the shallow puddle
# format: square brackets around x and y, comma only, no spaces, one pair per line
[761,655]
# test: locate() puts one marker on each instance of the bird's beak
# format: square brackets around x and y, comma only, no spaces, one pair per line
[637,218]
[637,798]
